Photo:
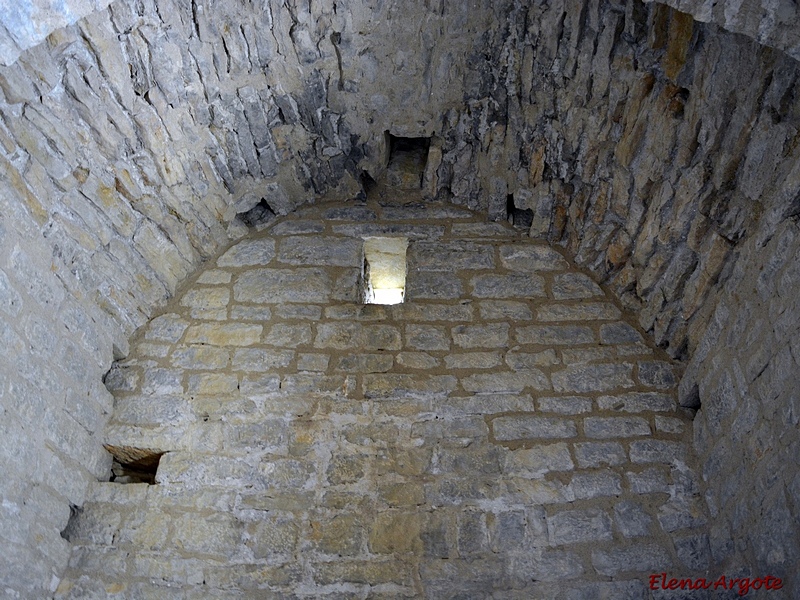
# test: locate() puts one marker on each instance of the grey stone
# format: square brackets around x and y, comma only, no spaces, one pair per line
[259,359]
[523,427]
[505,309]
[577,526]
[483,383]
[554,335]
[632,519]
[494,335]
[427,337]
[248,253]
[565,405]
[425,285]
[611,427]
[507,286]
[571,286]
[596,454]
[596,484]
[637,402]
[276,286]
[167,328]
[472,360]
[619,333]
[530,258]
[587,311]
[450,256]
[639,558]
[593,378]
[322,250]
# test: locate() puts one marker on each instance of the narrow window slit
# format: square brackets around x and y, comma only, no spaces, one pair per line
[407,160]
[385,270]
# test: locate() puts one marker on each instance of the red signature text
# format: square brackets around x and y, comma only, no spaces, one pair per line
[742,584]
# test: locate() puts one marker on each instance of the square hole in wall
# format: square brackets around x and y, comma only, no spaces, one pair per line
[134,465]
[407,160]
[385,270]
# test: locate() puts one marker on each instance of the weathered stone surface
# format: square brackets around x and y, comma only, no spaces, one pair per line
[248,253]
[425,256]
[275,286]
[433,286]
[576,526]
[611,427]
[547,335]
[481,336]
[228,334]
[507,286]
[524,427]
[333,251]
[357,336]
[593,378]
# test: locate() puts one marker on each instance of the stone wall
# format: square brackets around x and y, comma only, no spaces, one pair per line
[505,432]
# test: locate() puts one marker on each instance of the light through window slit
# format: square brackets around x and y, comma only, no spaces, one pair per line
[385,270]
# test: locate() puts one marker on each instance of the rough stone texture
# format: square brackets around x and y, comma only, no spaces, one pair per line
[131,140]
[392,451]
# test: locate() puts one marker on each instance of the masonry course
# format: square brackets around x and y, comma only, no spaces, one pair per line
[357,453]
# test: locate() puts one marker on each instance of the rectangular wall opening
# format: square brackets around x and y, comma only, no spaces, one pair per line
[385,270]
[134,465]
[407,160]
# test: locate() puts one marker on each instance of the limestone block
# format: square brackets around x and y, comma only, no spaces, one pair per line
[212,383]
[573,286]
[321,250]
[523,427]
[276,286]
[576,526]
[507,286]
[395,533]
[632,519]
[200,357]
[227,334]
[505,309]
[519,361]
[271,537]
[417,360]
[537,462]
[167,328]
[427,337]
[565,405]
[365,363]
[343,535]
[392,385]
[425,285]
[515,382]
[450,256]
[374,572]
[619,333]
[637,402]
[596,454]
[611,427]
[345,336]
[596,484]
[162,381]
[645,557]
[494,335]
[424,312]
[472,360]
[657,374]
[593,378]
[548,335]
[586,311]
[531,258]
[206,298]
[648,481]
[288,336]
[645,451]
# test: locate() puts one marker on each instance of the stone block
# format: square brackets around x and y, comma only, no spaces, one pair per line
[321,250]
[554,335]
[425,285]
[427,337]
[578,526]
[593,378]
[596,454]
[392,385]
[537,462]
[693,551]
[586,355]
[248,253]
[486,404]
[224,334]
[657,374]
[395,533]
[250,313]
[493,335]
[507,286]
[632,519]
[508,382]
[417,360]
[519,361]
[206,298]
[214,277]
[669,424]
[347,336]
[530,258]
[646,451]
[587,311]
[471,533]
[505,310]
[472,360]
[166,328]
[213,383]
[637,402]
[260,359]
[200,357]
[596,484]
[277,286]
[639,558]
[313,362]
[365,363]
[565,405]
[525,427]
[299,311]
[615,427]
[162,381]
[288,336]
[272,536]
[450,256]
[574,286]
[423,312]
[316,383]
[649,481]
[297,227]
[619,333]
[215,535]
[364,572]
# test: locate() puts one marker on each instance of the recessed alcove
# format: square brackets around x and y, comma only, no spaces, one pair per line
[408,157]
[385,270]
